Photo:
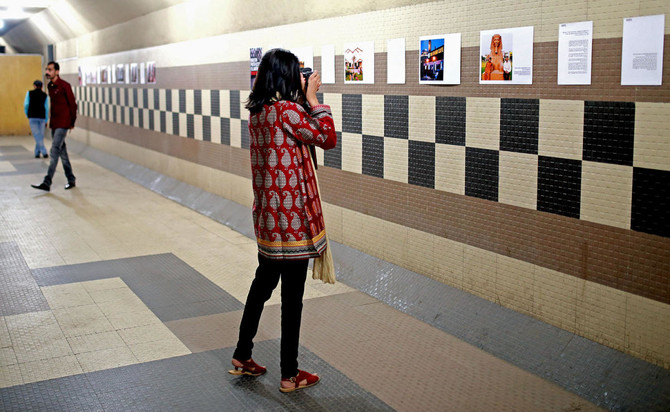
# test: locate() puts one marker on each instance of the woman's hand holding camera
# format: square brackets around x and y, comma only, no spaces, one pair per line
[313,86]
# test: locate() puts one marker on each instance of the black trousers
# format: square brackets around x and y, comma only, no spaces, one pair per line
[293,274]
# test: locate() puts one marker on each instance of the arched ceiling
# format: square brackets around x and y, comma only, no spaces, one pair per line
[58,20]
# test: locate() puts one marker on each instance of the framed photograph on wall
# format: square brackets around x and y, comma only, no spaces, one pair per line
[120,73]
[134,73]
[440,59]
[255,56]
[506,56]
[151,72]
[91,77]
[359,63]
[104,75]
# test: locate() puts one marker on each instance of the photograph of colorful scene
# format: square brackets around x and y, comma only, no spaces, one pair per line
[353,65]
[431,64]
[496,57]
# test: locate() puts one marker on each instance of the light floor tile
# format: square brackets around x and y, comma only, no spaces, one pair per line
[33,327]
[50,369]
[106,359]
[144,334]
[133,319]
[33,350]
[114,308]
[7,357]
[151,351]
[10,375]
[82,320]
[6,167]
[95,342]
[66,296]
[121,296]
[28,321]
[104,284]
[5,339]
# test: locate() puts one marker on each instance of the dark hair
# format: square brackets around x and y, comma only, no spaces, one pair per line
[56,65]
[37,83]
[278,78]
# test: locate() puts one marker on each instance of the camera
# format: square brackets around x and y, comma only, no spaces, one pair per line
[306,72]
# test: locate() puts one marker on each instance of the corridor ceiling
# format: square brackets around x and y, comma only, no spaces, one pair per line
[57,21]
[53,21]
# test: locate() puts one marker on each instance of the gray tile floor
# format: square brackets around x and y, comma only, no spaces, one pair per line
[493,358]
[190,382]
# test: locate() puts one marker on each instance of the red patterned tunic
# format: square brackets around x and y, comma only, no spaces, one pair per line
[287,209]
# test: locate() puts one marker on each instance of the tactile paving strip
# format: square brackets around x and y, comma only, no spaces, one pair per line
[602,375]
[168,286]
[19,293]
[193,382]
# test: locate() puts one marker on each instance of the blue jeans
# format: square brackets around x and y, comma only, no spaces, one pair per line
[37,127]
[59,150]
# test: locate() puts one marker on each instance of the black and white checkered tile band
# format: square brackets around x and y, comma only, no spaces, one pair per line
[440,143]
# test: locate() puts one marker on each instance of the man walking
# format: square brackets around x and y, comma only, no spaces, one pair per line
[36,107]
[63,116]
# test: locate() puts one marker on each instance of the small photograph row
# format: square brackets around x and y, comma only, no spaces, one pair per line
[128,73]
[505,56]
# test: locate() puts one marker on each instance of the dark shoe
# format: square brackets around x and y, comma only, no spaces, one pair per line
[46,156]
[69,186]
[296,382]
[37,156]
[42,186]
[247,368]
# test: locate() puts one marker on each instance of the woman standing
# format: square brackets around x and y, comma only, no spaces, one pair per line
[285,118]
